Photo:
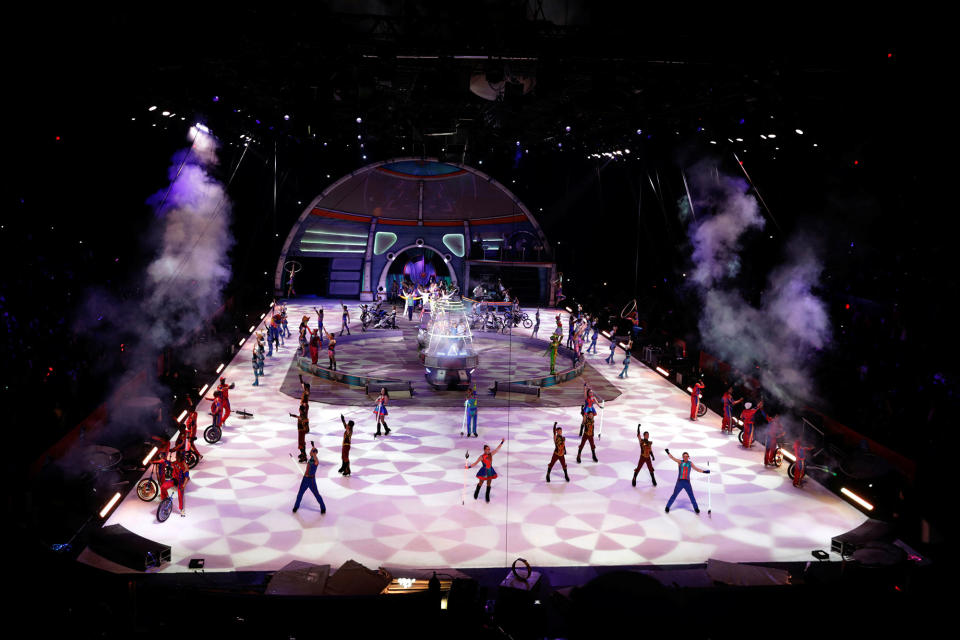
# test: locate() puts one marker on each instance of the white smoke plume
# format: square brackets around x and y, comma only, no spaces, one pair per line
[790,324]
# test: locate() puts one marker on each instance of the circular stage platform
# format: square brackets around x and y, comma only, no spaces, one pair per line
[393,355]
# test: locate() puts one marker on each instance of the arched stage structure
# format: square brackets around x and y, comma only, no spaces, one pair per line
[398,210]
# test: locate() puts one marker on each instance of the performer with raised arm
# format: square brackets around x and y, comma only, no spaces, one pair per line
[559,452]
[486,473]
[728,404]
[303,428]
[304,391]
[381,410]
[345,326]
[345,446]
[309,481]
[587,437]
[536,324]
[319,312]
[683,480]
[224,390]
[558,283]
[646,456]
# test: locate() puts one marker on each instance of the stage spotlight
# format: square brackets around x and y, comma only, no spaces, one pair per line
[799,131]
[109,505]
[152,453]
[164,113]
[153,108]
[251,328]
[286,117]
[763,136]
[739,139]
[567,129]
[771,135]
[639,131]
[242,340]
[359,119]
[713,142]
[216,98]
[183,414]
[262,315]
[203,390]
[860,501]
[663,371]
[220,368]
[626,150]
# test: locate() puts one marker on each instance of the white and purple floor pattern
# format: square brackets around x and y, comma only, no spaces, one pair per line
[402,504]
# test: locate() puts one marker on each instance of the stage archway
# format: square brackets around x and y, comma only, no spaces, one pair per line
[463,214]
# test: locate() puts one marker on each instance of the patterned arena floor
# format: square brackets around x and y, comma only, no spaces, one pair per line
[402,504]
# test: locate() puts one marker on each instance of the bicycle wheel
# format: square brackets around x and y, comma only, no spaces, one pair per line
[192,459]
[212,434]
[527,323]
[147,489]
[165,509]
[791,468]
[740,436]
[701,410]
[778,458]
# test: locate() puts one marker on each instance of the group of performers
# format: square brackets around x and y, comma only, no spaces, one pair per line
[580,328]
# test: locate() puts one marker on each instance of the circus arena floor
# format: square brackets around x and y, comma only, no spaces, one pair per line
[405,502]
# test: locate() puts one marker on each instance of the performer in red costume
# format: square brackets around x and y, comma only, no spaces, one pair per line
[314,345]
[748,415]
[179,479]
[559,452]
[646,456]
[800,466]
[728,404]
[224,390]
[695,399]
[774,433]
[216,409]
[486,473]
[190,431]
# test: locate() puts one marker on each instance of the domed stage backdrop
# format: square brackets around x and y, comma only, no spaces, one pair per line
[410,219]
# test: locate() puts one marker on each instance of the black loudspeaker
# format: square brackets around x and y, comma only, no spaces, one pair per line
[870,531]
[124,547]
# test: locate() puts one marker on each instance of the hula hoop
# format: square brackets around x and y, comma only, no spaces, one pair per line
[625,311]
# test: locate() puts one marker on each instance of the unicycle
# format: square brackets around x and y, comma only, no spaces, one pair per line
[165,509]
[212,434]
[778,457]
[701,409]
[147,489]
[740,436]
[191,458]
